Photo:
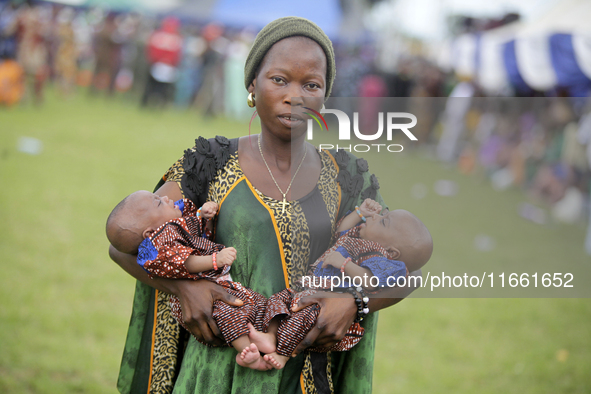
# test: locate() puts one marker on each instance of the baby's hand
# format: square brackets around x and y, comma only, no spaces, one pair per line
[226,257]
[370,207]
[334,259]
[209,209]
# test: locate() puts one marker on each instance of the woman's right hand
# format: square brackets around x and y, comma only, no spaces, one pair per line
[197,298]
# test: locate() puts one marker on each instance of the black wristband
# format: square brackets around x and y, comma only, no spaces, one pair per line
[361,301]
[365,300]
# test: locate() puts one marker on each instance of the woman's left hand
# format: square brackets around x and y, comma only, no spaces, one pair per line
[337,313]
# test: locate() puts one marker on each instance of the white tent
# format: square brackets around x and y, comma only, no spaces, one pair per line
[553,50]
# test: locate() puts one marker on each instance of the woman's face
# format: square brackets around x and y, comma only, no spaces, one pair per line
[291,76]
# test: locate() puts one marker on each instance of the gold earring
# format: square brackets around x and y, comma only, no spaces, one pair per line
[250,100]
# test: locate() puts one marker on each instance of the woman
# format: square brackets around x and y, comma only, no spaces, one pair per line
[279,201]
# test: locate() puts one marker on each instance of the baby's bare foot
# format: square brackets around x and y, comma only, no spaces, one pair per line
[249,355]
[250,358]
[261,365]
[275,360]
[266,343]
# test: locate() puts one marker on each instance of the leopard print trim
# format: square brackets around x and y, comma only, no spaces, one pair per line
[166,343]
[329,370]
[301,245]
[225,179]
[330,190]
[175,173]
[300,234]
[283,224]
[308,378]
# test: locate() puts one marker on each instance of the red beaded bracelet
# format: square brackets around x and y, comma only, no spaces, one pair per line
[345,263]
[215,266]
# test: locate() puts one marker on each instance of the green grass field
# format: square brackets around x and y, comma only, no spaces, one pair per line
[66,306]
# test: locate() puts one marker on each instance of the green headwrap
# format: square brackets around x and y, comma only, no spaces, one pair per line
[288,27]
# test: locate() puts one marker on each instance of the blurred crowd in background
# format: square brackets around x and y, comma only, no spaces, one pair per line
[541,144]
[158,59]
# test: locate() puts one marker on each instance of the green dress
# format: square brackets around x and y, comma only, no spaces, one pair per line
[274,249]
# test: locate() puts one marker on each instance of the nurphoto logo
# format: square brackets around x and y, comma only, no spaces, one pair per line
[393,124]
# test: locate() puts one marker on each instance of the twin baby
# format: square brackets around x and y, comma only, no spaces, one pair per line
[172,240]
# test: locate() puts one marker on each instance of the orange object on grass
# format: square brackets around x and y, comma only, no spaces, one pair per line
[12,85]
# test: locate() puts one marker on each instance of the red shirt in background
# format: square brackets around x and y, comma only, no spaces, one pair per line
[165,45]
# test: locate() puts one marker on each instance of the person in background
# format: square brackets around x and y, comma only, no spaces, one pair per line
[32,52]
[8,29]
[107,55]
[163,52]
[66,67]
[209,98]
[190,68]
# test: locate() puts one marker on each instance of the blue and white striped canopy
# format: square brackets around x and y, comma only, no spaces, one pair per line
[551,53]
